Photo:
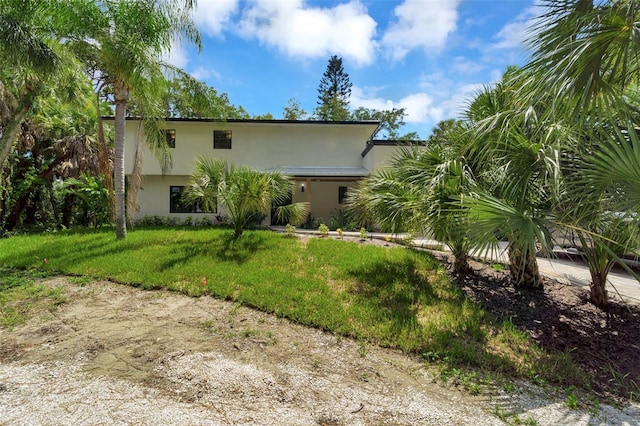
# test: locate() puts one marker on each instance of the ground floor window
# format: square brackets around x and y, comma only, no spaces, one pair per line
[342,194]
[177,204]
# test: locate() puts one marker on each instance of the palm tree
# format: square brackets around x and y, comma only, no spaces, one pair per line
[418,191]
[514,157]
[585,57]
[125,41]
[601,197]
[242,192]
[586,53]
[29,59]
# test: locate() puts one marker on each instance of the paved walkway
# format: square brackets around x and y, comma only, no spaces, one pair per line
[621,285]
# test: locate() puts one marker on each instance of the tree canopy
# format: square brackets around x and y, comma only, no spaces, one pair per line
[334,91]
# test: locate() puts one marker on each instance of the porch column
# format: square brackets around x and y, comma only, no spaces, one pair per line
[308,191]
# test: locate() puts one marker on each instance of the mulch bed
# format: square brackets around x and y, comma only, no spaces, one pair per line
[605,343]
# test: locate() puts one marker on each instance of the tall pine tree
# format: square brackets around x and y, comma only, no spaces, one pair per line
[333,93]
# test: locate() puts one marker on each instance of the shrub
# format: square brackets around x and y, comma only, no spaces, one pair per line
[341,219]
[310,223]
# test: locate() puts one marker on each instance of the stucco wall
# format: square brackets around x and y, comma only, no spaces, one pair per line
[379,157]
[155,194]
[154,197]
[259,145]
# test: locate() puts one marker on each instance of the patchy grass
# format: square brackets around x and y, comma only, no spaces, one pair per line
[21,296]
[393,297]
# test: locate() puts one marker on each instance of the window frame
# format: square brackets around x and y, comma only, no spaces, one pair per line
[222,139]
[342,194]
[182,207]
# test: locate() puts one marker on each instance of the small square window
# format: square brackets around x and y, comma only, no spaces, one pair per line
[170,134]
[222,139]
[342,194]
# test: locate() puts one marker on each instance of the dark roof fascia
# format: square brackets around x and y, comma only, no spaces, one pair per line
[250,120]
[391,142]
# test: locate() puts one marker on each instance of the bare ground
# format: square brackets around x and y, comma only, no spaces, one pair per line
[116,354]
[113,354]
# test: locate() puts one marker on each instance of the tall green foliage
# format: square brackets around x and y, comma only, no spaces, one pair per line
[125,41]
[334,92]
[242,192]
[29,55]
[585,58]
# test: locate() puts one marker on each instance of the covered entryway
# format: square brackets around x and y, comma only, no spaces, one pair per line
[324,188]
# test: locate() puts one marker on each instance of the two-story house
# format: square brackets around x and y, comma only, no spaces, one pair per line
[325,159]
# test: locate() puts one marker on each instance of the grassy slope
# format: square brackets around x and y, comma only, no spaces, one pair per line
[394,297]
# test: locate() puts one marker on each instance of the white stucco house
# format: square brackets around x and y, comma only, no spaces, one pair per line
[324,158]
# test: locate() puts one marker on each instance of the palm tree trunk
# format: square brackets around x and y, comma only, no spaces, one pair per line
[121,96]
[54,205]
[11,131]
[599,294]
[12,128]
[461,261]
[523,267]
[67,210]
[13,220]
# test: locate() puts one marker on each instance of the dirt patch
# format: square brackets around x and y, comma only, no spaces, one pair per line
[120,353]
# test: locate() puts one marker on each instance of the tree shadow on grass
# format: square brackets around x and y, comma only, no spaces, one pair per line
[222,247]
[68,253]
[424,311]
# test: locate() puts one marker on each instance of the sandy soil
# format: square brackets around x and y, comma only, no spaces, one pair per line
[116,354]
[113,354]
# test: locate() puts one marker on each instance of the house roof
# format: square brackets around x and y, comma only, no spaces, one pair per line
[321,171]
[391,142]
[251,120]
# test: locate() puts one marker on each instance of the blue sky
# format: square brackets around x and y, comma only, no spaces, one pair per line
[428,56]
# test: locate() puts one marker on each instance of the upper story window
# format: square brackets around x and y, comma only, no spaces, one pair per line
[222,139]
[170,134]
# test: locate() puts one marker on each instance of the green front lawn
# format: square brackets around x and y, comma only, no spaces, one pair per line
[394,297]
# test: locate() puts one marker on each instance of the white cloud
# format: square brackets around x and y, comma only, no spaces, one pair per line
[211,16]
[452,97]
[460,99]
[311,32]
[514,34]
[420,24]
[177,56]
[202,73]
[419,107]
[437,98]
